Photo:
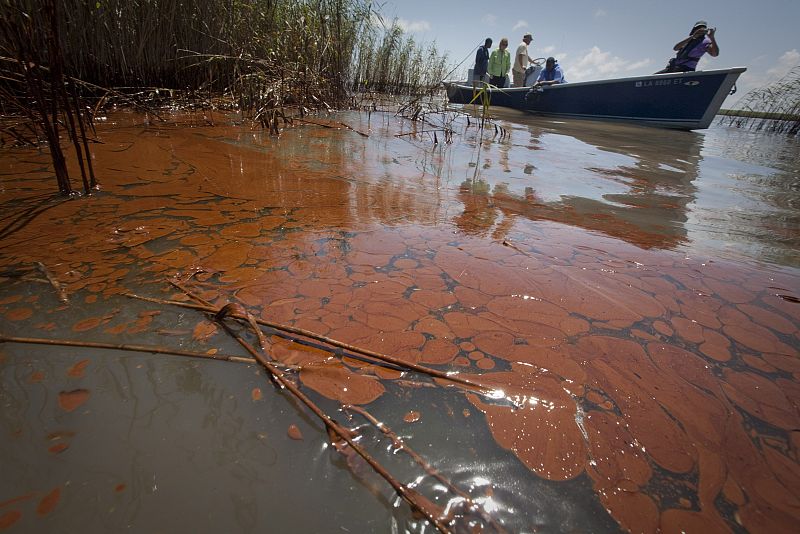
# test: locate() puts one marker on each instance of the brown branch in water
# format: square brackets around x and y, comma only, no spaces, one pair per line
[28,278]
[60,291]
[234,309]
[334,125]
[509,244]
[450,377]
[345,434]
[419,133]
[399,444]
[124,346]
[413,384]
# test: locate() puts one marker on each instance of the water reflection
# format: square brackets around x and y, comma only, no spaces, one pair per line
[751,196]
[603,178]
[732,191]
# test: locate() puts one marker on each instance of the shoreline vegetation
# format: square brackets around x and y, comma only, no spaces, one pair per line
[250,51]
[774,108]
[63,61]
[734,112]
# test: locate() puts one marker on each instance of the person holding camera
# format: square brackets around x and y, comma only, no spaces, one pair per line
[701,40]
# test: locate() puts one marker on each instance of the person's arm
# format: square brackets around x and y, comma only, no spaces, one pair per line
[681,44]
[540,79]
[713,47]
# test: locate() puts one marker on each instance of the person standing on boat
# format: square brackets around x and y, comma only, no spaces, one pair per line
[701,40]
[479,73]
[499,63]
[551,74]
[522,60]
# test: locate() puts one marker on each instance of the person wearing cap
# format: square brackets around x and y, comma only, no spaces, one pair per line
[482,62]
[551,74]
[689,51]
[499,63]
[521,61]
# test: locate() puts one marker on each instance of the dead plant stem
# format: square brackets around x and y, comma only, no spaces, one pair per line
[124,346]
[311,335]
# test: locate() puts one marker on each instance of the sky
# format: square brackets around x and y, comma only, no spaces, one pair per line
[598,39]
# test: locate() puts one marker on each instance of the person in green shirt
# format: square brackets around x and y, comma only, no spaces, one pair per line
[499,63]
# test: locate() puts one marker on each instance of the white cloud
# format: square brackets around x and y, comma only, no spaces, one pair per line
[596,64]
[489,19]
[747,82]
[754,78]
[600,13]
[415,26]
[638,65]
[548,49]
[520,24]
[789,59]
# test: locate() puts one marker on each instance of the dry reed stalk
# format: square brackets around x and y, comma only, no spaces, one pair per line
[450,377]
[774,108]
[126,347]
[334,125]
[60,291]
[331,425]
[399,444]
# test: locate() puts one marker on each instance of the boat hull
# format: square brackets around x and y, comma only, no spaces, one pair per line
[686,101]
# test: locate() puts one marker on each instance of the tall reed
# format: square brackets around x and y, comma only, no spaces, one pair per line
[34,61]
[774,108]
[257,56]
[302,51]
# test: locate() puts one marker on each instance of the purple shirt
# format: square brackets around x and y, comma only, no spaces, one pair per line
[689,58]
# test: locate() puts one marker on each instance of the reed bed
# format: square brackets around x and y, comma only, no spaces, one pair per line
[774,108]
[63,60]
[253,53]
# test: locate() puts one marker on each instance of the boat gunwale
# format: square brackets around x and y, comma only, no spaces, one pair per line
[567,85]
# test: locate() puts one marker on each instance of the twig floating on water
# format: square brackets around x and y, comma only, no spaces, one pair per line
[60,291]
[450,377]
[399,444]
[125,346]
[345,434]
[334,125]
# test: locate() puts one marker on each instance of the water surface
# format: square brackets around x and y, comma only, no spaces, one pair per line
[628,295]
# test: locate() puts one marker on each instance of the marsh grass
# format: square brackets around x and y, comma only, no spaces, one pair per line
[774,108]
[269,60]
[257,54]
[49,104]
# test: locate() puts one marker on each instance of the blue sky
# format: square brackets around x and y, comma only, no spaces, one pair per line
[611,38]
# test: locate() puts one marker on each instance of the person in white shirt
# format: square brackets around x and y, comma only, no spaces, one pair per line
[521,60]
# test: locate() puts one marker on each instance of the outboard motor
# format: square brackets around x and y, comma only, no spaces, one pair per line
[531,73]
